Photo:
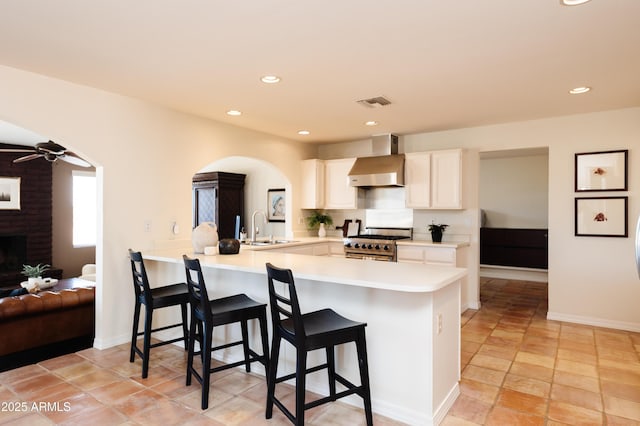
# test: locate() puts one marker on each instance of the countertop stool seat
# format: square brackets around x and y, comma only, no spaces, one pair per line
[207,314]
[307,332]
[154,298]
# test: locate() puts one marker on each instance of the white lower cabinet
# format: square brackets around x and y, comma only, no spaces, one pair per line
[429,255]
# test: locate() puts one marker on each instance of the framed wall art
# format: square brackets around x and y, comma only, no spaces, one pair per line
[9,193]
[276,205]
[601,217]
[601,171]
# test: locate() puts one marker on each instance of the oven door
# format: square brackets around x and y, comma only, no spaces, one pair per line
[379,257]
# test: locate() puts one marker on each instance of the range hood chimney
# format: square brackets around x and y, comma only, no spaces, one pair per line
[385,167]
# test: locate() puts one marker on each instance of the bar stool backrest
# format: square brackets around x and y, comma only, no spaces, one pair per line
[284,308]
[198,296]
[140,279]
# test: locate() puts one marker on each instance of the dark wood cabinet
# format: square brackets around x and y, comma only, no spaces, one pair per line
[525,248]
[218,197]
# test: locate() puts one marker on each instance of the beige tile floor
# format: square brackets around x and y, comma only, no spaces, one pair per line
[517,369]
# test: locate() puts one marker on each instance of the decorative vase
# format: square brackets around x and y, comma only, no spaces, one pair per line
[204,235]
[321,231]
[34,281]
[436,236]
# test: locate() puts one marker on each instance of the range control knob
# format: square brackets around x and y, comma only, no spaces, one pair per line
[369,246]
[377,246]
[348,245]
[356,245]
[386,248]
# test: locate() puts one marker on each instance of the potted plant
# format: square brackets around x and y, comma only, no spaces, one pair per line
[437,231]
[319,219]
[34,273]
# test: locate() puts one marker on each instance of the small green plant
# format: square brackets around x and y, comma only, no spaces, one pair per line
[34,271]
[317,218]
[437,228]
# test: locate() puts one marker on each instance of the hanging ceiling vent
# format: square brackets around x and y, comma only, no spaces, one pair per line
[376,102]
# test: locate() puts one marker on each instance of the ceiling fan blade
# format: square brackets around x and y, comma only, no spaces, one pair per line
[15,150]
[72,159]
[27,158]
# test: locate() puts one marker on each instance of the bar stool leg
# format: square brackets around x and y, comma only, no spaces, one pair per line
[134,337]
[206,343]
[265,343]
[301,377]
[185,332]
[148,317]
[331,371]
[271,375]
[245,345]
[361,346]
[190,352]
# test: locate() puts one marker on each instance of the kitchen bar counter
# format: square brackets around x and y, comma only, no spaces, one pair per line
[370,274]
[412,313]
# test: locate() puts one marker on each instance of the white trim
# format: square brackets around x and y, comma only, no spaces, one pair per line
[513,273]
[596,322]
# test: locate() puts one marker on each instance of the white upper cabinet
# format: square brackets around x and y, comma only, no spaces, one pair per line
[312,173]
[433,180]
[338,193]
[417,179]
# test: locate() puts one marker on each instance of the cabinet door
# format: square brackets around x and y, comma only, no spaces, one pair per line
[338,193]
[417,179]
[446,179]
[312,196]
[407,254]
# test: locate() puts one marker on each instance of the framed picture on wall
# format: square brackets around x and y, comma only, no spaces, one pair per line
[276,205]
[601,171]
[601,217]
[9,193]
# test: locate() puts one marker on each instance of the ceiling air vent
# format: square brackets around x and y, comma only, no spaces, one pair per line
[376,102]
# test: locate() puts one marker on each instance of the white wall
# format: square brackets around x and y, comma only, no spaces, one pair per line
[514,190]
[591,280]
[145,158]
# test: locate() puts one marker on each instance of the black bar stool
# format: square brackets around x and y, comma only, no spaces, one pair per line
[153,298]
[308,332]
[207,314]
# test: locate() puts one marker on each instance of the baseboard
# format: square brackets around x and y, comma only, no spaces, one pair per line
[446,405]
[513,273]
[596,322]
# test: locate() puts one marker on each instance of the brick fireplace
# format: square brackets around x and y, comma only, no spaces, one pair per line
[25,234]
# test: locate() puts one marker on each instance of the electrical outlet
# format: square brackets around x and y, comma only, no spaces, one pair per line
[439,323]
[147,225]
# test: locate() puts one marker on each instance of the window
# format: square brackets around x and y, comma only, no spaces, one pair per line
[84,209]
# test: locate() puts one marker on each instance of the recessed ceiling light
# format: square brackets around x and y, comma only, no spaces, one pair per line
[371,123]
[234,112]
[573,2]
[579,90]
[303,132]
[270,79]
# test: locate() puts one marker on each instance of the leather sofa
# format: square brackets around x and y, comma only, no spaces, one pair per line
[35,320]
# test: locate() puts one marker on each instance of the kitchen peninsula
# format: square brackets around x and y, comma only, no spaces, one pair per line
[412,312]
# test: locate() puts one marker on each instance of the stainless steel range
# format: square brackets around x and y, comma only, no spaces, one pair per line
[376,244]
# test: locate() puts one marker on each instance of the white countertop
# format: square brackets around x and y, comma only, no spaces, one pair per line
[391,276]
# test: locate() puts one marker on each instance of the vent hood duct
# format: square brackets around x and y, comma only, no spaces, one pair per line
[384,168]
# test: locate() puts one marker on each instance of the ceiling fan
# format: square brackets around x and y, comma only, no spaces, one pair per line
[50,151]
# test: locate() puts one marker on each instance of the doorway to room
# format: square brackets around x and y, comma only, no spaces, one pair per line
[513,200]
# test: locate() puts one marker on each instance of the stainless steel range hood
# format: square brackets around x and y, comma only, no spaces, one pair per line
[385,167]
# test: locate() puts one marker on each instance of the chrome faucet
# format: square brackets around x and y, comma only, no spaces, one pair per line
[254,228]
